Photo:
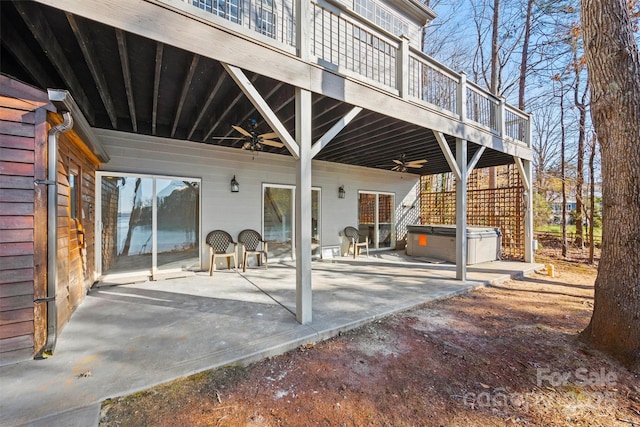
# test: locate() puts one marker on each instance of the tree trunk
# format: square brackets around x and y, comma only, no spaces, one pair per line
[580,103]
[592,201]
[525,56]
[563,219]
[495,49]
[613,64]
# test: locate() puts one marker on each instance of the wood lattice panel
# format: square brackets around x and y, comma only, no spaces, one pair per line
[501,207]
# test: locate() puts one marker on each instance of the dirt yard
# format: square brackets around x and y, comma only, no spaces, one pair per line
[502,355]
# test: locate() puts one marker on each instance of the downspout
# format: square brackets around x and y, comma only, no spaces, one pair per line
[52,234]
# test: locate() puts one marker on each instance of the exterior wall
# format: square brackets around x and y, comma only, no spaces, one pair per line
[24,128]
[234,212]
[76,242]
[23,258]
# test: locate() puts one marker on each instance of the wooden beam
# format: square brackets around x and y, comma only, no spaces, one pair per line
[207,103]
[252,111]
[126,74]
[335,130]
[474,160]
[185,89]
[39,27]
[94,69]
[448,155]
[24,55]
[156,87]
[261,105]
[151,19]
[523,174]
[229,107]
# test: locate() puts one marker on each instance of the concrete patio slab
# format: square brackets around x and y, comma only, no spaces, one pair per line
[127,338]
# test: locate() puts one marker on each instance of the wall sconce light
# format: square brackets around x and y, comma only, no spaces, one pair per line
[341,192]
[235,187]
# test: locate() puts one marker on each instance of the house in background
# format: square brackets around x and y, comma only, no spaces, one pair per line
[340,89]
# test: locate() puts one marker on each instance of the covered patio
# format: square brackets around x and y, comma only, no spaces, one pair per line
[131,337]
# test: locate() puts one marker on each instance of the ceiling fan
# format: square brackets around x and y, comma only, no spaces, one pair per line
[402,165]
[254,141]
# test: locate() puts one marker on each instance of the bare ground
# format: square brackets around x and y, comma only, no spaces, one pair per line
[501,355]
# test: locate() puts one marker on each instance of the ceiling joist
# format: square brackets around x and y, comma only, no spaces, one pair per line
[261,105]
[126,74]
[45,36]
[94,69]
[19,49]
[185,90]
[156,87]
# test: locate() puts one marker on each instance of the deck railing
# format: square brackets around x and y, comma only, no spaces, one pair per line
[347,43]
[432,83]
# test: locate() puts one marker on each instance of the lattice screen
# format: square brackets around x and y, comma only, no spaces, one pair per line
[501,207]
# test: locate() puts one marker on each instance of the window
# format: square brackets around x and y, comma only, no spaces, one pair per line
[227,9]
[74,192]
[364,8]
[381,16]
[266,19]
[376,218]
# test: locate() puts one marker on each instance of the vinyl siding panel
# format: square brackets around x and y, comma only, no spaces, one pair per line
[234,212]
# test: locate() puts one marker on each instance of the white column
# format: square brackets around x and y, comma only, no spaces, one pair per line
[303,34]
[303,206]
[462,97]
[402,72]
[461,210]
[528,213]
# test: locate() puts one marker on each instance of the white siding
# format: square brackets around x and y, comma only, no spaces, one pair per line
[234,212]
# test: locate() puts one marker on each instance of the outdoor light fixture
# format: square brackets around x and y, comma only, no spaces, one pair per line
[341,192]
[235,187]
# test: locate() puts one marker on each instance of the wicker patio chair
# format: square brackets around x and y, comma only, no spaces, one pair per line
[249,241]
[219,242]
[353,235]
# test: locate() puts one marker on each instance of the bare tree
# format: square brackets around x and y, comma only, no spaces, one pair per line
[546,130]
[592,197]
[613,63]
[580,102]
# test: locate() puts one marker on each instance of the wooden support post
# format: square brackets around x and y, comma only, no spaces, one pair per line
[261,105]
[461,210]
[462,97]
[303,207]
[528,212]
[402,72]
[335,130]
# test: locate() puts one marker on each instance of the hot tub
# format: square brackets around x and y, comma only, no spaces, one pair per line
[439,242]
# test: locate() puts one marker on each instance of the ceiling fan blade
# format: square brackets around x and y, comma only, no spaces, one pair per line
[416,163]
[415,166]
[398,161]
[228,137]
[270,135]
[272,143]
[242,131]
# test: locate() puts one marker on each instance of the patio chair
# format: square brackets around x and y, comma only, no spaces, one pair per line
[219,242]
[249,241]
[353,235]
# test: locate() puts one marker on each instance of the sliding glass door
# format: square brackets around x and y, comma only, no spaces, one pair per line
[376,219]
[278,220]
[148,224]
